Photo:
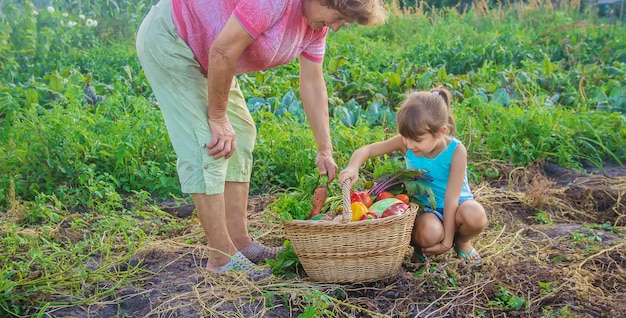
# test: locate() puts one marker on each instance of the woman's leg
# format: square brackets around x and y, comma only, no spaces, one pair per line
[236,204]
[212,217]
[181,90]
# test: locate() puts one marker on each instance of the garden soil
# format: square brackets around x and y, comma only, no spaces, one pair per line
[554,247]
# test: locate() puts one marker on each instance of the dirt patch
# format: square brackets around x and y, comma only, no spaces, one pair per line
[554,247]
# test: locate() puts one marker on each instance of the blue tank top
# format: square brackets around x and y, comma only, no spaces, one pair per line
[438,169]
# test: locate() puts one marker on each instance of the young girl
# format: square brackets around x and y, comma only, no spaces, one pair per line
[425,128]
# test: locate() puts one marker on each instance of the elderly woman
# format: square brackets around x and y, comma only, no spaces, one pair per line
[191,52]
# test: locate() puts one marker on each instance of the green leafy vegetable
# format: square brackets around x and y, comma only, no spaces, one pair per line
[403,180]
[286,262]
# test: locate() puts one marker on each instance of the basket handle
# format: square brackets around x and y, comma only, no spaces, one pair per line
[345,190]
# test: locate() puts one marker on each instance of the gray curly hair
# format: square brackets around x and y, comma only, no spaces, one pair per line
[363,12]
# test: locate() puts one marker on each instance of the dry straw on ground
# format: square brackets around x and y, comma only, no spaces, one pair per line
[555,242]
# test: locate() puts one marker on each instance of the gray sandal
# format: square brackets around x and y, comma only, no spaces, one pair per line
[240,263]
[257,252]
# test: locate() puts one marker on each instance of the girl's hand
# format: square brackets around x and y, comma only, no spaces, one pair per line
[435,249]
[349,175]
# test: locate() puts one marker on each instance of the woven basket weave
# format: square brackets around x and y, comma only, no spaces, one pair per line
[351,252]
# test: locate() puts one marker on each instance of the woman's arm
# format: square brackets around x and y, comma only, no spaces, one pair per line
[315,101]
[223,57]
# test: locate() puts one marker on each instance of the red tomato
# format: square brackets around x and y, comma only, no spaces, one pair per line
[366,199]
[384,195]
[354,197]
[361,196]
[403,197]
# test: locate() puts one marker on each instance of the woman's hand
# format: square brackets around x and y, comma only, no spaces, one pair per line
[223,142]
[326,164]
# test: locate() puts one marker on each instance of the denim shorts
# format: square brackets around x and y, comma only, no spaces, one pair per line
[181,91]
[439,211]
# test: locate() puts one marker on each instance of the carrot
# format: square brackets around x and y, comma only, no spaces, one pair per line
[319,198]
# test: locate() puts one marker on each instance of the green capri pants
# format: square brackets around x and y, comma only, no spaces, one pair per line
[181,91]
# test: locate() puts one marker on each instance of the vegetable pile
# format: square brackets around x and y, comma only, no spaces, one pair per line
[382,208]
[389,195]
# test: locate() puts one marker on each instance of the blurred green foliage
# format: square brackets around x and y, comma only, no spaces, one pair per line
[530,84]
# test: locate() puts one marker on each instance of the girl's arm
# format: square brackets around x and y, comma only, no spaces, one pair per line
[358,158]
[453,193]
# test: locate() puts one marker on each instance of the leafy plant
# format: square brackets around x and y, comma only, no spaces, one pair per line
[547,287]
[291,205]
[286,262]
[543,218]
[507,301]
[316,304]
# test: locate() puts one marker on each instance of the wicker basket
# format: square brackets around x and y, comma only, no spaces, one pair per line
[351,252]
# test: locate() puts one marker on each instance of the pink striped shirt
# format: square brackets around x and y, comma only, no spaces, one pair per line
[279,29]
